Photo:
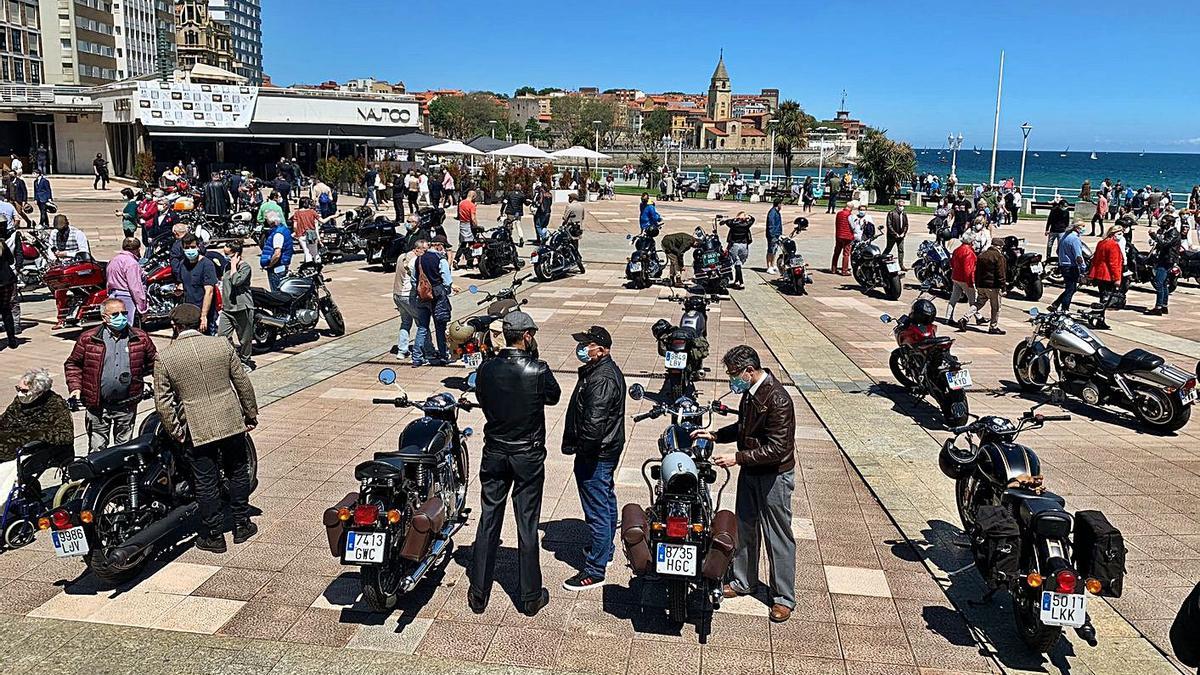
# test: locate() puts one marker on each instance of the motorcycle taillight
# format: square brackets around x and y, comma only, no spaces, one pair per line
[677,527]
[678,345]
[470,347]
[366,514]
[61,519]
[1066,581]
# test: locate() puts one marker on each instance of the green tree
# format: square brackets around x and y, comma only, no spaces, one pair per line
[572,118]
[647,166]
[547,90]
[536,132]
[465,116]
[791,132]
[884,164]
[655,125]
[524,91]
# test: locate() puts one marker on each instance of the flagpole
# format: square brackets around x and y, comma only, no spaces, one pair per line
[996,124]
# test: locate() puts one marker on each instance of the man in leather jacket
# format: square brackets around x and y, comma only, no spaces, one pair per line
[765,435]
[513,390]
[1166,256]
[216,197]
[595,434]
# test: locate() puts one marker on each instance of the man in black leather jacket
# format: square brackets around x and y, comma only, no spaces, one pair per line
[513,390]
[1166,254]
[216,197]
[595,434]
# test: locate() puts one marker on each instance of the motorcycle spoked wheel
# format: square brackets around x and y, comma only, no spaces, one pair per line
[542,269]
[1036,635]
[112,501]
[333,317]
[381,585]
[265,336]
[860,277]
[1159,411]
[20,532]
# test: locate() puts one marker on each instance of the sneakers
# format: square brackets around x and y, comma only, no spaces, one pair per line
[402,356]
[214,544]
[772,270]
[244,531]
[994,330]
[582,582]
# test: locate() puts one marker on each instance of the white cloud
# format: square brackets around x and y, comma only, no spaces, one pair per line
[1188,141]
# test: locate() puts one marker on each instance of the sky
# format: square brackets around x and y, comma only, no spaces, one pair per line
[1096,75]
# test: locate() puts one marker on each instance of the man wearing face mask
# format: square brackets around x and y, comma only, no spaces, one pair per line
[198,276]
[105,373]
[513,389]
[595,434]
[765,435]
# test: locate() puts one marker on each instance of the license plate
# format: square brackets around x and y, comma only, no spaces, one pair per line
[1189,396]
[533,258]
[959,379]
[473,360]
[893,267]
[710,258]
[68,543]
[364,547]
[1036,268]
[476,252]
[676,559]
[635,267]
[1063,609]
[675,360]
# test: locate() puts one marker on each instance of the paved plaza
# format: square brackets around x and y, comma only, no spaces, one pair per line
[884,580]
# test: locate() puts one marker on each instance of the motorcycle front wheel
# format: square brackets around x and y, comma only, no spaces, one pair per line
[902,378]
[333,317]
[111,507]
[1028,374]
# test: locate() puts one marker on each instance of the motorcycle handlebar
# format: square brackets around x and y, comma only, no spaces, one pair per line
[1055,418]
[399,401]
[645,416]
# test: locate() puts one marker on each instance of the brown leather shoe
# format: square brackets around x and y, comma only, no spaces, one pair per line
[779,613]
[728,592]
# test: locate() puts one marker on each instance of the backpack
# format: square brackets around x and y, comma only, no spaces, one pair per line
[424,288]
[996,545]
[325,202]
[1100,552]
[1185,631]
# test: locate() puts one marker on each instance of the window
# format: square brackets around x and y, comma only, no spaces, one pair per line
[3,42]
[4,68]
[19,70]
[35,72]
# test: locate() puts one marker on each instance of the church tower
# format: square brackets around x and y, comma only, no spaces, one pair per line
[720,94]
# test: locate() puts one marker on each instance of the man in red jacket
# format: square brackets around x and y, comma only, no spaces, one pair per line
[962,275]
[843,240]
[105,373]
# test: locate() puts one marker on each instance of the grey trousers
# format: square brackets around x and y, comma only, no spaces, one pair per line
[764,507]
[239,321]
[118,423]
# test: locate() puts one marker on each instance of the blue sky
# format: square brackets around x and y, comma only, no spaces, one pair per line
[1093,75]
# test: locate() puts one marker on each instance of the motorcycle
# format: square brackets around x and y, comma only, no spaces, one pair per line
[558,255]
[124,501]
[1024,269]
[382,241]
[712,265]
[932,266]
[26,501]
[36,258]
[922,363]
[338,242]
[684,347]
[1159,394]
[1021,536]
[301,300]
[83,279]
[793,270]
[644,264]
[476,339]
[683,538]
[872,269]
[410,503]
[495,253]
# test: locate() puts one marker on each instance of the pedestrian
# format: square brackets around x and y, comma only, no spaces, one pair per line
[449,194]
[962,277]
[738,242]
[1166,255]
[843,240]
[990,271]
[306,228]
[1107,269]
[100,168]
[276,250]
[594,432]
[36,414]
[1100,215]
[176,257]
[468,223]
[675,245]
[897,229]
[18,195]
[368,185]
[1057,224]
[16,165]
[198,276]
[271,205]
[543,202]
[513,206]
[831,190]
[283,187]
[774,233]
[434,286]
[8,285]
[404,295]
[513,389]
[1070,265]
[807,194]
[158,219]
[412,186]
[66,244]
[129,213]
[44,196]
[217,198]
[237,303]
[125,281]
[207,404]
[434,183]
[649,216]
[398,178]
[106,373]
[42,157]
[765,435]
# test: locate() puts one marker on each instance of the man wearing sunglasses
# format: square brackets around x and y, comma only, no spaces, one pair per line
[105,373]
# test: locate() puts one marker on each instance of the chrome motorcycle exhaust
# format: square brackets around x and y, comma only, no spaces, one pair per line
[120,555]
[435,552]
[272,321]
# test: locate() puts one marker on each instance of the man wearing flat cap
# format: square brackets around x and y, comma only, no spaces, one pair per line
[513,389]
[595,434]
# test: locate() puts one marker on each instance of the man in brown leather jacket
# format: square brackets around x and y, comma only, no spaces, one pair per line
[765,435]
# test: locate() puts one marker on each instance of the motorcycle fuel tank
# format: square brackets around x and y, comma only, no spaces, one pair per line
[1074,339]
[296,286]
[425,436]
[1003,462]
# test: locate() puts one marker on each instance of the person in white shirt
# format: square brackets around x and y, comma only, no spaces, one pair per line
[983,234]
[17,167]
[68,241]
[423,190]
[404,294]
[861,225]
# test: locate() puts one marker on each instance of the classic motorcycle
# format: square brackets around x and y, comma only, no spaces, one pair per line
[83,279]
[410,503]
[558,255]
[1140,382]
[932,266]
[793,270]
[476,339]
[683,538]
[1024,269]
[301,300]
[684,347]
[1021,536]
[923,364]
[712,266]
[495,252]
[873,269]
[123,502]
[644,264]
[36,257]
[338,242]
[26,501]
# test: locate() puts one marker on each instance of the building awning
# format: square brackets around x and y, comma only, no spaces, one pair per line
[278,131]
[414,140]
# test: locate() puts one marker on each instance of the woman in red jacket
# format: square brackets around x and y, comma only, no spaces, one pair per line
[1107,268]
[962,274]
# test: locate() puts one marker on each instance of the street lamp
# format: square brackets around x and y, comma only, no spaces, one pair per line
[596,124]
[771,171]
[665,141]
[955,144]
[493,123]
[1025,129]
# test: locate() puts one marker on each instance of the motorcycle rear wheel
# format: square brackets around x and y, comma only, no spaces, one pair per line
[381,586]
[677,602]
[542,270]
[1023,361]
[1160,412]
[114,498]
[892,288]
[1033,288]
[486,270]
[265,336]
[1036,635]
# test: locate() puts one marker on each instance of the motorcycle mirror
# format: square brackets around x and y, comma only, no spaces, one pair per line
[886,318]
[472,289]
[637,392]
[387,376]
[1033,312]
[628,236]
[471,379]
[468,432]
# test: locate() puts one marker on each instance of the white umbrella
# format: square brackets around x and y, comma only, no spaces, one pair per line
[524,150]
[452,148]
[578,152]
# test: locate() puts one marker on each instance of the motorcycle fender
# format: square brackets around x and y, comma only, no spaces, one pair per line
[634,538]
[90,499]
[334,530]
[1041,356]
[724,543]
[1164,376]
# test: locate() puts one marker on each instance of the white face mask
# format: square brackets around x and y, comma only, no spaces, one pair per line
[26,397]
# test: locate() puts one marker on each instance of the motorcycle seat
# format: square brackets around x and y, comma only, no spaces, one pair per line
[1042,513]
[1190,255]
[409,453]
[268,298]
[1129,362]
[940,341]
[110,459]
[381,468]
[481,323]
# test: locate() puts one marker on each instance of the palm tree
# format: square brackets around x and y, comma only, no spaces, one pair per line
[791,132]
[884,163]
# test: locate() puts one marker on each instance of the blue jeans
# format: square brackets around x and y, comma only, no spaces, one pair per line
[1160,286]
[275,278]
[599,501]
[421,345]
[407,306]
[1070,283]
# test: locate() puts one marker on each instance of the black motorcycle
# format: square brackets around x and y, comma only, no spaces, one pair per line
[559,254]
[495,252]
[27,501]
[123,502]
[793,270]
[410,503]
[683,538]
[471,339]
[932,266]
[383,240]
[923,364]
[712,265]
[685,346]
[873,269]
[1022,539]
[338,242]
[1024,268]
[302,299]
[644,264]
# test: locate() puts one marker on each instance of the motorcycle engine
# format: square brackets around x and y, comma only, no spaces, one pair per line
[161,298]
[307,317]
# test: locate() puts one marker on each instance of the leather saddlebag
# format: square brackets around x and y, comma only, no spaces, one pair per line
[1100,552]
[997,548]
[334,529]
[724,543]
[634,538]
[1185,631]
[425,524]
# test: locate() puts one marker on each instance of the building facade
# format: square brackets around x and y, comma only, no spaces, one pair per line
[138,25]
[20,43]
[244,20]
[79,44]
[720,93]
[199,38]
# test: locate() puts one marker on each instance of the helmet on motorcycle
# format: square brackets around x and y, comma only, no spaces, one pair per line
[459,332]
[661,328]
[651,231]
[801,223]
[922,312]
[956,462]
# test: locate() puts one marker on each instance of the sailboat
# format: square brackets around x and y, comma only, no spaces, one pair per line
[1094,155]
[1064,152]
[1036,155]
[976,149]
[1142,153]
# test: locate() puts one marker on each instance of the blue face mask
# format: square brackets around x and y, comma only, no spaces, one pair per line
[738,386]
[118,322]
[191,253]
[581,353]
